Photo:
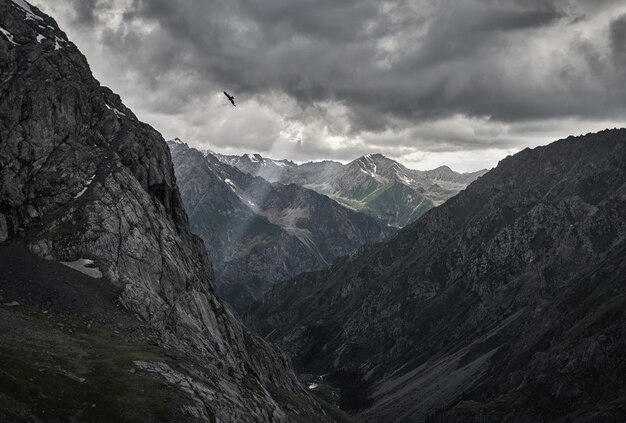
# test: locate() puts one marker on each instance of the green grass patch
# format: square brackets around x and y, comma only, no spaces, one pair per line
[86,374]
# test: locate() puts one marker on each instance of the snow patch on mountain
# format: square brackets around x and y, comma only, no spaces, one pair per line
[368,157]
[30,15]
[116,111]
[364,169]
[87,184]
[242,195]
[84,266]
[8,35]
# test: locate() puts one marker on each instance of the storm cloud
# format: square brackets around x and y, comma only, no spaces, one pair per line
[423,81]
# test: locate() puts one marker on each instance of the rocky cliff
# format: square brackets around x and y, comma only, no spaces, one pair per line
[506,303]
[83,182]
[258,233]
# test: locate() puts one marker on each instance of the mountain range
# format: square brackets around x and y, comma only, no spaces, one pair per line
[506,303]
[373,184]
[256,232]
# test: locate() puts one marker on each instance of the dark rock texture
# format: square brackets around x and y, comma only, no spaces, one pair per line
[258,233]
[507,303]
[84,182]
[372,184]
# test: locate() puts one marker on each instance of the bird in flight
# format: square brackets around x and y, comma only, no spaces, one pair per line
[230,97]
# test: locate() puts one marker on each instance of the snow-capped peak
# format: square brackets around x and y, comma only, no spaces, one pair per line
[368,164]
[374,158]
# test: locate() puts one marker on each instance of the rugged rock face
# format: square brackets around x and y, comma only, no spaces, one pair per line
[88,184]
[372,184]
[258,233]
[507,303]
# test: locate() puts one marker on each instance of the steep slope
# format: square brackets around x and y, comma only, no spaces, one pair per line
[506,303]
[83,182]
[372,184]
[258,233]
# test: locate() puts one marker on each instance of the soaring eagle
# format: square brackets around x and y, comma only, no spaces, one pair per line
[230,97]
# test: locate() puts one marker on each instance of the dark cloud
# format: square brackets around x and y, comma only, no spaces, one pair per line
[86,11]
[386,73]
[618,41]
[458,57]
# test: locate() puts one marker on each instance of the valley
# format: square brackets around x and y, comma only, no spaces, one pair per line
[145,280]
[258,233]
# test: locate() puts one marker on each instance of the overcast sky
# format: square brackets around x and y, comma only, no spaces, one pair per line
[426,82]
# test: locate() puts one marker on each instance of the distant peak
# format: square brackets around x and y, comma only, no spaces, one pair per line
[255,158]
[175,141]
[375,157]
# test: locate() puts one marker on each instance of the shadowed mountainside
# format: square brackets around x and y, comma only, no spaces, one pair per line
[506,303]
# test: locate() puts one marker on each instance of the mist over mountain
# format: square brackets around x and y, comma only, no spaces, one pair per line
[372,184]
[506,303]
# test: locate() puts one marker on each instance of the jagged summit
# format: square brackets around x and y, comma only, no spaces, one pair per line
[373,156]
[176,141]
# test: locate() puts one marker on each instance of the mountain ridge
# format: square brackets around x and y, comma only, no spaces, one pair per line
[373,184]
[445,320]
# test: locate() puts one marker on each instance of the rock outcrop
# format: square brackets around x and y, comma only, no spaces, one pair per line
[507,303]
[83,181]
